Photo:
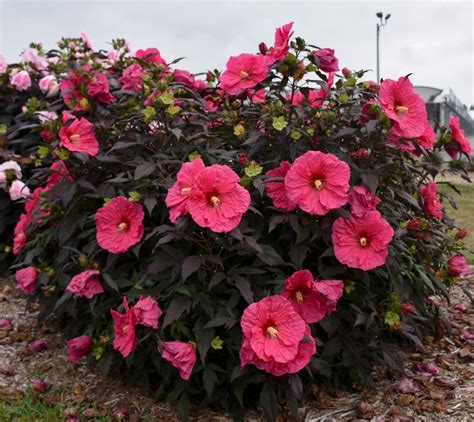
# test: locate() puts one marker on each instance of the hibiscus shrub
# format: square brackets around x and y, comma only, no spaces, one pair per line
[231,240]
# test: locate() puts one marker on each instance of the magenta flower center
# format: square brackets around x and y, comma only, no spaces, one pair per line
[215,201]
[401,109]
[185,191]
[123,226]
[318,184]
[272,331]
[363,241]
[75,138]
[243,74]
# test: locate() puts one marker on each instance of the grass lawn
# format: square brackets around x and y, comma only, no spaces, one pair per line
[464,215]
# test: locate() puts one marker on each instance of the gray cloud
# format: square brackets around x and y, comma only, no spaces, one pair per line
[432,40]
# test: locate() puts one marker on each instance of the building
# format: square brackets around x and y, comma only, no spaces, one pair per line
[440,104]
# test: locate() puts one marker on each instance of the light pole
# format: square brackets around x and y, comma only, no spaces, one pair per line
[382,22]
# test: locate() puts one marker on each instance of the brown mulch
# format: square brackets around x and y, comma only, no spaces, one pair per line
[446,396]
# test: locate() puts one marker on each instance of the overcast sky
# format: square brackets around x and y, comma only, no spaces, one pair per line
[431,39]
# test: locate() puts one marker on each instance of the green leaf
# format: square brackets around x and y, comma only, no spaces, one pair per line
[209,380]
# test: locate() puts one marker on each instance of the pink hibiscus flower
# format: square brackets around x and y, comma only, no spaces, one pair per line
[312,300]
[217,201]
[125,340]
[147,312]
[404,106]
[362,242]
[78,135]
[20,239]
[242,72]
[78,347]
[151,55]
[327,60]
[458,266]
[315,97]
[178,194]
[70,91]
[433,206]
[86,284]
[58,172]
[426,140]
[275,337]
[99,89]
[119,225]
[276,190]
[362,200]
[27,279]
[458,137]
[280,47]
[318,182]
[182,356]
[132,78]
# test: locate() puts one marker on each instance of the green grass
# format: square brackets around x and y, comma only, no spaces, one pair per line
[464,215]
[29,409]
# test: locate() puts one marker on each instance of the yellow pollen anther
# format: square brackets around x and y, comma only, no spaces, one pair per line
[215,200]
[401,109]
[185,191]
[363,241]
[272,331]
[122,226]
[318,184]
[74,138]
[243,74]
[299,297]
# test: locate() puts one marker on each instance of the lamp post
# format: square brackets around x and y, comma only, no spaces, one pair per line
[382,22]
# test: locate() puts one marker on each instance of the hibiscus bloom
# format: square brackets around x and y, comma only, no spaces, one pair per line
[20,239]
[125,340]
[99,89]
[27,279]
[318,182]
[78,347]
[275,337]
[182,356]
[280,47]
[242,72]
[178,194]
[86,284]
[459,138]
[151,55]
[132,78]
[426,140]
[276,190]
[404,106]
[458,266]
[217,201]
[313,300]
[79,135]
[327,60]
[433,207]
[58,172]
[20,80]
[362,200]
[70,91]
[119,225]
[362,242]
[147,312]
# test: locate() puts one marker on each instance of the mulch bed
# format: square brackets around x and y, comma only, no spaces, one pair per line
[86,393]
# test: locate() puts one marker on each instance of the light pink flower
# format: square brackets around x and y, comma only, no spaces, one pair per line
[362,200]
[318,182]
[362,242]
[242,72]
[3,64]
[86,284]
[178,195]
[49,85]
[119,225]
[125,340]
[27,279]
[21,80]
[78,347]
[86,40]
[12,167]
[182,356]
[113,56]
[217,201]
[404,106]
[31,56]
[433,206]
[276,191]
[147,312]
[18,190]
